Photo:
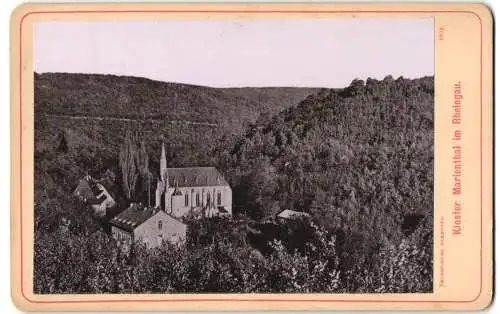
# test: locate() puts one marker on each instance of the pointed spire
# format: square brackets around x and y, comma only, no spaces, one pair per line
[163,163]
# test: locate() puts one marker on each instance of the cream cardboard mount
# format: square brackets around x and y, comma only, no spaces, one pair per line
[251,156]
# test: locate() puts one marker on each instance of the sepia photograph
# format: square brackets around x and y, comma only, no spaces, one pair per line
[234,156]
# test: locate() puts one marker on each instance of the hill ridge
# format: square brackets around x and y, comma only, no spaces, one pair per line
[132,97]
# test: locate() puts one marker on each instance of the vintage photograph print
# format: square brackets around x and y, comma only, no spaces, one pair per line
[234,155]
[242,157]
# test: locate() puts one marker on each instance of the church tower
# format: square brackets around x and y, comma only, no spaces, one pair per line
[162,185]
[163,164]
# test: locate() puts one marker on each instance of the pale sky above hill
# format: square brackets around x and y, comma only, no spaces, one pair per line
[230,53]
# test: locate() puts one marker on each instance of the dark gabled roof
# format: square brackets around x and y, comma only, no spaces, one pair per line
[195,176]
[133,217]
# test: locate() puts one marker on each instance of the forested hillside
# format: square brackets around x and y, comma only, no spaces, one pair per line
[358,159]
[77,107]
[84,111]
[140,98]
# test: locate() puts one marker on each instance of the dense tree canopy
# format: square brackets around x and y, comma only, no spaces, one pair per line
[359,160]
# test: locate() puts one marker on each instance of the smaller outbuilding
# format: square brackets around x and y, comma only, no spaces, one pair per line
[150,226]
[288,214]
[94,194]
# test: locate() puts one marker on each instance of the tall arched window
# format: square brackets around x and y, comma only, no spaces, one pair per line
[197,199]
[186,200]
[160,225]
[208,198]
[219,198]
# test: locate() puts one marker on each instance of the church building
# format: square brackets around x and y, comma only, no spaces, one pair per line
[197,191]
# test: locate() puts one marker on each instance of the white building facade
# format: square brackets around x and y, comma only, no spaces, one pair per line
[197,191]
[149,226]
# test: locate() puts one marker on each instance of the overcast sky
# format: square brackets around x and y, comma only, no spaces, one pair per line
[223,53]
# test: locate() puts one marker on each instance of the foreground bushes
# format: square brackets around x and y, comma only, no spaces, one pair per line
[66,262]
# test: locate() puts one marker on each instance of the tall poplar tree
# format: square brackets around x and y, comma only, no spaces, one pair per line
[128,152]
[142,160]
